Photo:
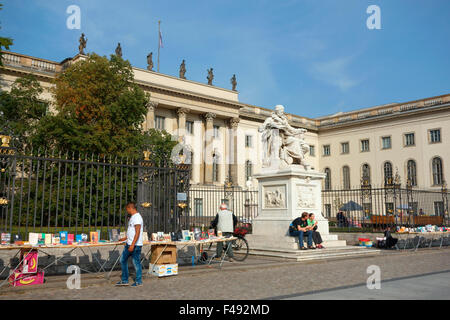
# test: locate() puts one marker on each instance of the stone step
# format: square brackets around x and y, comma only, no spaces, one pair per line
[308,255]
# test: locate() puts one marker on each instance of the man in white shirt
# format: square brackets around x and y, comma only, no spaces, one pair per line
[133,246]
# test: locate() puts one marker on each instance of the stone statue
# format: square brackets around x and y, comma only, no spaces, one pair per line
[210,76]
[150,61]
[82,45]
[119,50]
[182,70]
[283,145]
[233,82]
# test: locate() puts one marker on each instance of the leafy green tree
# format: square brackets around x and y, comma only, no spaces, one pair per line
[4,42]
[22,108]
[99,109]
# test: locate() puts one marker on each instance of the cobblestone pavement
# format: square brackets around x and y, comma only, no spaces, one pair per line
[265,279]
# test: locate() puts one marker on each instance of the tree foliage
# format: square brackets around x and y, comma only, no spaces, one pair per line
[99,109]
[4,42]
[22,108]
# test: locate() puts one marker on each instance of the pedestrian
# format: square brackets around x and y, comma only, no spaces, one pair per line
[225,221]
[133,246]
[317,238]
[298,228]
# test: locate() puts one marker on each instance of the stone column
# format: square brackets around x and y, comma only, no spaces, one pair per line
[209,135]
[182,122]
[233,166]
[150,121]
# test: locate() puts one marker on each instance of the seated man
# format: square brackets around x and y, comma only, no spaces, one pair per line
[317,238]
[298,228]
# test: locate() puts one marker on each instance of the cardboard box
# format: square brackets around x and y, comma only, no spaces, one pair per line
[18,278]
[30,261]
[163,270]
[168,256]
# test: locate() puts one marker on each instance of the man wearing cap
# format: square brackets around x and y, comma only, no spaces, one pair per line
[225,222]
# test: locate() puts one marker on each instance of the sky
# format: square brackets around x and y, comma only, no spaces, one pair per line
[315,57]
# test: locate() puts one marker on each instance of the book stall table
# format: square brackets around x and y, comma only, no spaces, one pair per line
[441,235]
[198,247]
[24,250]
[197,244]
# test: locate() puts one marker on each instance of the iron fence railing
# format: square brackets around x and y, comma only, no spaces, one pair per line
[48,193]
[390,206]
[205,202]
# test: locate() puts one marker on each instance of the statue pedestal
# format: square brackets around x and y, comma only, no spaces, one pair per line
[283,196]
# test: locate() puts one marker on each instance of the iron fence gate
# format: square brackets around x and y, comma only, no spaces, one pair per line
[48,193]
[377,208]
[204,202]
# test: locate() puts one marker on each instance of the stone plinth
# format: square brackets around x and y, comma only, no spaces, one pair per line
[283,196]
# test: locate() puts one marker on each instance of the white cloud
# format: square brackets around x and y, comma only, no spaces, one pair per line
[335,72]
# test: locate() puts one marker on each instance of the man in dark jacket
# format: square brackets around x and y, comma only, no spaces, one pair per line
[298,228]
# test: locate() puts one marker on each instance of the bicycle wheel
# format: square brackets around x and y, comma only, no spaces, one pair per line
[240,248]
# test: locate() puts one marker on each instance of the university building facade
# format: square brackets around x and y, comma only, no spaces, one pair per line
[410,139]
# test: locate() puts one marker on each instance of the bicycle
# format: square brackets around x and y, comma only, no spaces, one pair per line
[240,246]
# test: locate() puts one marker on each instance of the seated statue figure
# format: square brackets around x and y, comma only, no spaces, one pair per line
[281,142]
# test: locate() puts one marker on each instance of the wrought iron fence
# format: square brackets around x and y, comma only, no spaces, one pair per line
[205,202]
[47,193]
[368,208]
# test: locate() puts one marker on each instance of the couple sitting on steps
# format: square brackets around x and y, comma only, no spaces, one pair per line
[305,225]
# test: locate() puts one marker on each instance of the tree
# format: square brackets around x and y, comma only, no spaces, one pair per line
[4,42]
[22,108]
[99,109]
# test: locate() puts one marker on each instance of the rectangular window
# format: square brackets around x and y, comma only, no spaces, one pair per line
[386,142]
[198,207]
[435,135]
[389,208]
[345,147]
[365,145]
[326,150]
[438,208]
[160,123]
[190,127]
[216,132]
[409,139]
[248,141]
[312,151]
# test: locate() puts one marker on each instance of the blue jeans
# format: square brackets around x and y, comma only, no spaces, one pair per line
[136,256]
[300,236]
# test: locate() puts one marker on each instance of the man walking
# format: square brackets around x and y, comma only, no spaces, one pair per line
[133,247]
[225,222]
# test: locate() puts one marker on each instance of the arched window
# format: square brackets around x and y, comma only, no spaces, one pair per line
[248,170]
[327,179]
[365,174]
[215,168]
[387,172]
[411,171]
[438,176]
[346,177]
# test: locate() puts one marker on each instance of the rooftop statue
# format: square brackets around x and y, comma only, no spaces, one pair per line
[119,50]
[182,70]
[283,145]
[233,82]
[82,45]
[210,76]
[150,61]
